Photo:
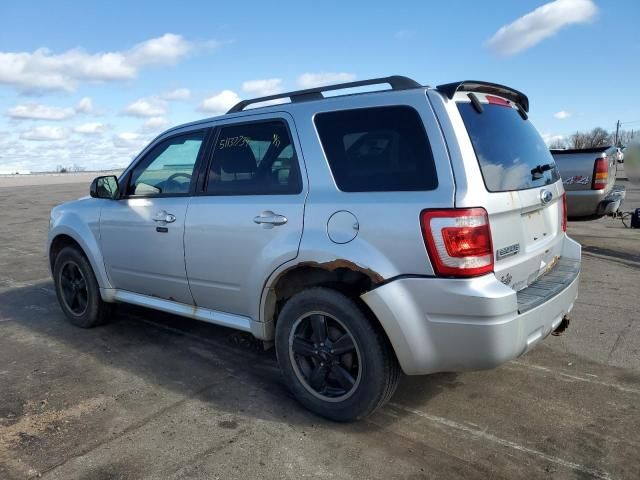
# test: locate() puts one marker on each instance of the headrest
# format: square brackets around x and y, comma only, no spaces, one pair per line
[237,160]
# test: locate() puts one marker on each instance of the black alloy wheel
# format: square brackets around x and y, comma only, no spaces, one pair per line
[77,289]
[74,288]
[325,357]
[334,357]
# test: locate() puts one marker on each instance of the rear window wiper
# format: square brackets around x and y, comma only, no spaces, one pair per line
[536,172]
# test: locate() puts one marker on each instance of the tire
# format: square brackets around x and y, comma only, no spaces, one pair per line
[314,370]
[85,310]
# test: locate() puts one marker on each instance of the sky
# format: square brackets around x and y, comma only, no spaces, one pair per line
[90,84]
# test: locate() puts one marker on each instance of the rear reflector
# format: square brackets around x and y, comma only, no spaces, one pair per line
[497,101]
[600,174]
[564,212]
[458,241]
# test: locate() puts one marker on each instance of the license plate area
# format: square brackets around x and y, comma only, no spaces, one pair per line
[536,227]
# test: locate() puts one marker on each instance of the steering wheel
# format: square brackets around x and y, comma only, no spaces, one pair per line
[179,174]
[171,185]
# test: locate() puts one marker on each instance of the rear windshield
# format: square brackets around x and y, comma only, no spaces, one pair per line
[510,151]
[377,149]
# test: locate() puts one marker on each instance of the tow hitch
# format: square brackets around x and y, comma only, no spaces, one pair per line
[564,324]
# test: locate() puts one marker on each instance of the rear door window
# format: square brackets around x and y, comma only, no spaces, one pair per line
[377,149]
[511,153]
[254,159]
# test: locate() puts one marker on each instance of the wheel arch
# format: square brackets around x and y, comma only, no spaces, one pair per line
[63,236]
[342,275]
[60,242]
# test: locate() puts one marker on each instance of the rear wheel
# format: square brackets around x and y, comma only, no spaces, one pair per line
[77,290]
[334,360]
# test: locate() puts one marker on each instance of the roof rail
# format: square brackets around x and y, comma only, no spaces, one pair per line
[397,82]
[512,94]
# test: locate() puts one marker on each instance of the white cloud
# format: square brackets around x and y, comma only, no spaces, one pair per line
[310,80]
[165,50]
[262,88]
[551,138]
[45,132]
[179,94]
[129,141]
[89,152]
[155,123]
[35,111]
[146,107]
[91,128]
[541,23]
[85,105]
[42,69]
[128,136]
[219,103]
[562,114]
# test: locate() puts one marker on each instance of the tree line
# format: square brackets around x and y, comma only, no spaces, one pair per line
[68,169]
[598,137]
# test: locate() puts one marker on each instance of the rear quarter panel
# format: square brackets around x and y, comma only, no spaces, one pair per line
[389,239]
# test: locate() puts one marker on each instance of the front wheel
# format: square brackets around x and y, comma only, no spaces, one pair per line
[78,291]
[333,358]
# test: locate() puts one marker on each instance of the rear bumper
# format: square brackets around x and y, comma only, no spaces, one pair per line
[611,203]
[446,325]
[584,203]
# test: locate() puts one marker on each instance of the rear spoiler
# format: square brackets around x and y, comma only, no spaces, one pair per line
[450,89]
[560,151]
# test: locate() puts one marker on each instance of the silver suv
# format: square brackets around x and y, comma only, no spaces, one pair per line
[411,229]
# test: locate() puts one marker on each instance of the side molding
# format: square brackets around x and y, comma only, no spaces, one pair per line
[224,319]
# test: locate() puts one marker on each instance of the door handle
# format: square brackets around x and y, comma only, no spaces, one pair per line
[268,219]
[165,217]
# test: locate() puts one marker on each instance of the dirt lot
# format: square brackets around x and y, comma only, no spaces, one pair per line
[156,396]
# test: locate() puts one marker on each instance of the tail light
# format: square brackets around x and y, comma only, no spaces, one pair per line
[458,241]
[564,212]
[600,174]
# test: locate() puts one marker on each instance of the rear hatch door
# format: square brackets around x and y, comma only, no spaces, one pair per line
[521,188]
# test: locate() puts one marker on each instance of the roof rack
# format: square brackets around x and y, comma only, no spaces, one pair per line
[397,82]
[512,94]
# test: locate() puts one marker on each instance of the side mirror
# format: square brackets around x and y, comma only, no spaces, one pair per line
[105,187]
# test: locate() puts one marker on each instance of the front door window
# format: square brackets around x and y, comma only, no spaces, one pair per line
[168,168]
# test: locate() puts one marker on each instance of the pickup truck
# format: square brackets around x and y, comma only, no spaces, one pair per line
[589,176]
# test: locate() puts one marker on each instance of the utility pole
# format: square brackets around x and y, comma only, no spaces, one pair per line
[617,132]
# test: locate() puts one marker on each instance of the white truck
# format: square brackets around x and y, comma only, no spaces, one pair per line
[589,176]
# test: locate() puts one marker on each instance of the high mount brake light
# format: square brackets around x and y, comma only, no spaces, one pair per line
[458,241]
[600,173]
[497,101]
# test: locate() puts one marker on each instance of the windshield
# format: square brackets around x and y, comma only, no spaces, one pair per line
[510,151]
